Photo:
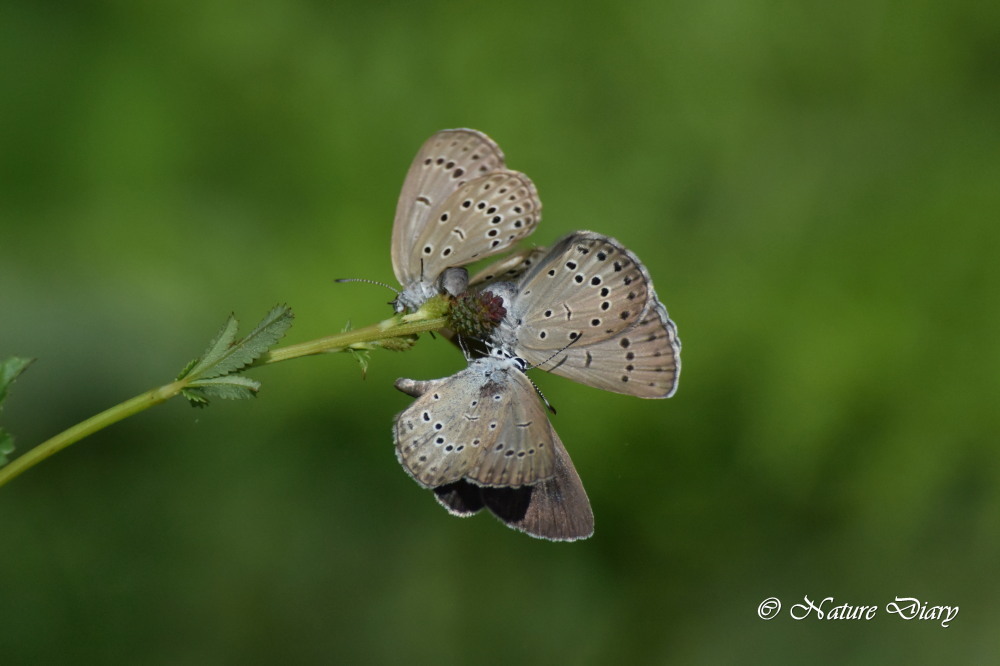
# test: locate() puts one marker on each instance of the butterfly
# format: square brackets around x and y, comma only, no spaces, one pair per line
[458,204]
[586,310]
[481,438]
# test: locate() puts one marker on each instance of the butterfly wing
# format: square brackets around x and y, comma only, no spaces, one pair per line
[446,161]
[642,361]
[594,295]
[557,509]
[461,498]
[510,268]
[483,217]
[484,424]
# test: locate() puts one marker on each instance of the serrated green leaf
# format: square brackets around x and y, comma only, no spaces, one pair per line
[217,348]
[10,368]
[195,397]
[187,368]
[226,355]
[244,352]
[228,379]
[231,387]
[213,375]
[229,392]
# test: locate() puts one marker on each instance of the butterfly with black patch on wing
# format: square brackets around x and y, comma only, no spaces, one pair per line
[481,438]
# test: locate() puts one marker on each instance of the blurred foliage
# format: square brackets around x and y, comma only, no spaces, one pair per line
[814,188]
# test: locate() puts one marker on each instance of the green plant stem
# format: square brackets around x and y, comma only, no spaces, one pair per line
[85,428]
[361,338]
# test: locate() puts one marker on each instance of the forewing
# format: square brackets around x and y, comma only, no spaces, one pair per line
[446,161]
[588,311]
[588,286]
[522,452]
[484,424]
[483,217]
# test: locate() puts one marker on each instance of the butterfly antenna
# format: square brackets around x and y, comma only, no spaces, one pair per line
[542,396]
[381,284]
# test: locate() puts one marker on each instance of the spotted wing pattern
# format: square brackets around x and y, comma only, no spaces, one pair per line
[588,311]
[485,216]
[484,424]
[446,161]
[458,204]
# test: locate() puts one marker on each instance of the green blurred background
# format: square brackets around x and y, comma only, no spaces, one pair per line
[813,186]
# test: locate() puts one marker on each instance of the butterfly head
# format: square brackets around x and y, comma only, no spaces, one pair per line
[414,295]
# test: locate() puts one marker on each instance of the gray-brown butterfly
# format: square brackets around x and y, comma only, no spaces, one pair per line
[587,311]
[458,204]
[481,438]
